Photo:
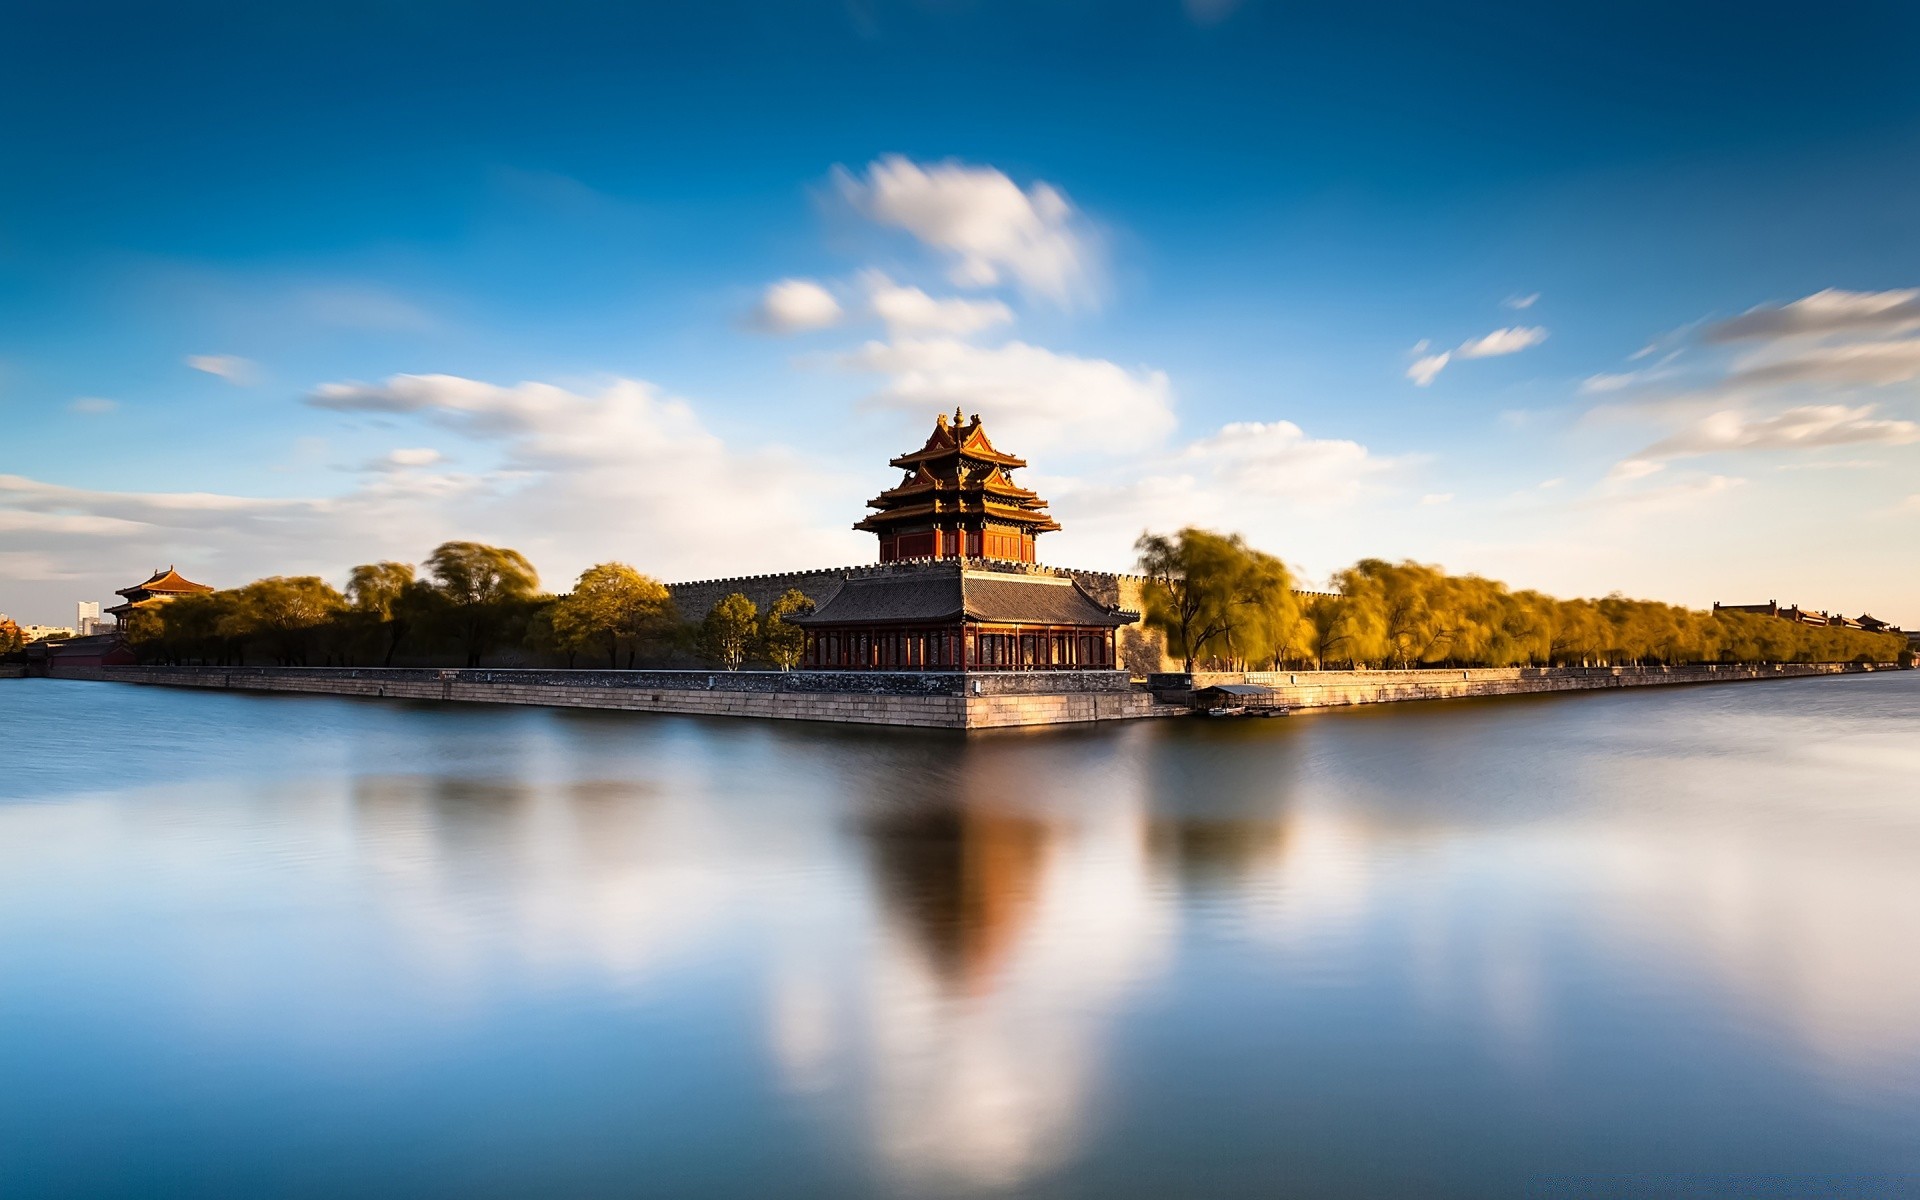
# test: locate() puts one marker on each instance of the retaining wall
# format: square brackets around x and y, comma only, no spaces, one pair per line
[1337,689]
[978,700]
[936,699]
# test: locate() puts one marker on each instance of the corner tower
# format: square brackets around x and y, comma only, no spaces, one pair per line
[957,501]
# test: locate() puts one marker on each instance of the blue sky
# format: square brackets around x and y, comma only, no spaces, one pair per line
[285,288]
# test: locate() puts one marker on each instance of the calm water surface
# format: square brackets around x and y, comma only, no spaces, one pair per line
[308,947]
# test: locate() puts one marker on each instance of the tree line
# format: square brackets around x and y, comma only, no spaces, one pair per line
[470,601]
[1223,604]
[1219,603]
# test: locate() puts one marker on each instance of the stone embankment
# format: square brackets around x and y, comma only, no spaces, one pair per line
[937,699]
[934,699]
[1338,689]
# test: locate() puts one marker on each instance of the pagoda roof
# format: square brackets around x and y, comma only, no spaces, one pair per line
[940,596]
[955,440]
[958,473]
[958,507]
[167,583]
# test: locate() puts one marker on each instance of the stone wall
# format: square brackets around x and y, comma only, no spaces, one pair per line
[980,700]
[1337,689]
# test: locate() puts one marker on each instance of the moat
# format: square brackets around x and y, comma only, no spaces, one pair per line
[314,946]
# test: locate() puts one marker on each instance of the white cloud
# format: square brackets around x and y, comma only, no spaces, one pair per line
[1628,470]
[1805,427]
[1522,302]
[991,227]
[1435,498]
[230,367]
[417,457]
[93,405]
[1277,458]
[1825,312]
[796,305]
[1035,399]
[1424,370]
[908,310]
[580,476]
[1502,342]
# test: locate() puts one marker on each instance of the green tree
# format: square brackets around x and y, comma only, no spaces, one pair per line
[782,642]
[614,606]
[385,594]
[729,631]
[482,588]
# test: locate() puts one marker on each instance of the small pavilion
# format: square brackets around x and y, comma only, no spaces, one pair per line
[160,587]
[965,592]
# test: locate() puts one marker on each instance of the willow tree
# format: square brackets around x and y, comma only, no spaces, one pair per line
[613,606]
[480,589]
[385,594]
[1212,595]
[287,611]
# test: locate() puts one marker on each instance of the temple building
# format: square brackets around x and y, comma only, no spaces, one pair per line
[958,501]
[159,588]
[963,590]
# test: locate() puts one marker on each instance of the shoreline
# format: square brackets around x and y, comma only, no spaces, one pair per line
[930,699]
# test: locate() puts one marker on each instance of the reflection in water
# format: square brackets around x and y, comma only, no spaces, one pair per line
[504,953]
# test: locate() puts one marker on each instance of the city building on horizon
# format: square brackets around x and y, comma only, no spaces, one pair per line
[86,618]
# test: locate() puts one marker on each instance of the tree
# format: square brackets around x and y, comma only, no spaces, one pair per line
[385,593]
[785,643]
[728,632]
[482,587]
[612,605]
[1325,627]
[1192,581]
[12,641]
[286,610]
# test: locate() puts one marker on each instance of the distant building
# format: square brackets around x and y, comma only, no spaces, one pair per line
[160,587]
[1801,616]
[41,633]
[86,618]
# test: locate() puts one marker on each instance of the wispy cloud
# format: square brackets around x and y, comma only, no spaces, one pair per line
[1831,311]
[230,367]
[93,406]
[1510,340]
[1807,427]
[1521,302]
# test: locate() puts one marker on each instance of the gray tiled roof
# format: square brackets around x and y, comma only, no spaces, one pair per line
[943,594]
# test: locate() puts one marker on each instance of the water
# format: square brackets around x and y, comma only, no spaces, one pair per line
[307,947]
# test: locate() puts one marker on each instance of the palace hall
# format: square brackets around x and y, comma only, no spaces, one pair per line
[960,586]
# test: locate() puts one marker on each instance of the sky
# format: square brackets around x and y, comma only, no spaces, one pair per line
[1587,298]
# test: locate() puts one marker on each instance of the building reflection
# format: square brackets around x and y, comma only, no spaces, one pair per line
[1012,932]
[960,884]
